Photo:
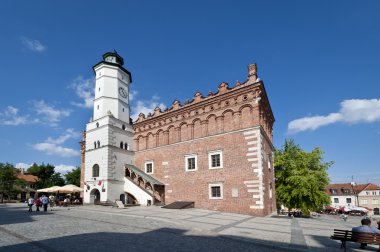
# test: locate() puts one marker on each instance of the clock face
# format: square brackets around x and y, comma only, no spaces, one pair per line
[123,92]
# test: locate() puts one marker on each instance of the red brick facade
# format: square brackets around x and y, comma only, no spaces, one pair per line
[237,123]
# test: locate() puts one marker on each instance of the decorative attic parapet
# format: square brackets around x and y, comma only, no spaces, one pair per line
[223,87]
[157,111]
[176,105]
[141,117]
[252,74]
[198,97]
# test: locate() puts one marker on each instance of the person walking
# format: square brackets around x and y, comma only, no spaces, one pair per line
[45,202]
[38,204]
[30,203]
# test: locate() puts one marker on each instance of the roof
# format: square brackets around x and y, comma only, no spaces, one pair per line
[142,174]
[339,189]
[351,190]
[27,177]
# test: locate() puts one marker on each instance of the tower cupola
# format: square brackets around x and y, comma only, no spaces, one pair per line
[113,57]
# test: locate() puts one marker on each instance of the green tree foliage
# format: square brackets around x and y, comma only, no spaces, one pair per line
[301,177]
[47,177]
[73,177]
[8,180]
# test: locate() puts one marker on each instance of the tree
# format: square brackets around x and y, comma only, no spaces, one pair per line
[8,180]
[47,177]
[301,177]
[73,177]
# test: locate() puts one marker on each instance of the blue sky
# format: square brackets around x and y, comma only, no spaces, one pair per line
[319,61]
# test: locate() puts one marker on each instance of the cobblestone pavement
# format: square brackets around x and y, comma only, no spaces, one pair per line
[99,228]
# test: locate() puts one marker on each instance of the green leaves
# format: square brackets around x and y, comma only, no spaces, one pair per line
[301,177]
[8,179]
[73,177]
[47,177]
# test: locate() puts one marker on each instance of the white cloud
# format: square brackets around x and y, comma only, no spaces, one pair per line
[53,146]
[132,95]
[23,165]
[63,169]
[33,44]
[49,113]
[10,117]
[146,107]
[351,111]
[84,89]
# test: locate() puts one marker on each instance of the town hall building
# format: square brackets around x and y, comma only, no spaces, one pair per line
[213,150]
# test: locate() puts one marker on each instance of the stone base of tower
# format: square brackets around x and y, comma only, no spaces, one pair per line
[103,192]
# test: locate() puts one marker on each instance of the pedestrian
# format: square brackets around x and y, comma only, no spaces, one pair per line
[38,204]
[30,203]
[45,202]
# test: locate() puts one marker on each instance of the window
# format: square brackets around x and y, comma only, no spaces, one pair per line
[94,145]
[216,191]
[333,191]
[336,200]
[364,202]
[97,125]
[149,167]
[345,191]
[348,200]
[98,107]
[375,201]
[98,144]
[367,193]
[126,146]
[123,127]
[191,162]
[215,159]
[121,145]
[123,109]
[95,170]
[373,193]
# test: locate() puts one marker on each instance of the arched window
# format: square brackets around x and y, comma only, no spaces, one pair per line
[123,127]
[94,145]
[97,125]
[95,170]
[98,144]
[126,146]
[121,145]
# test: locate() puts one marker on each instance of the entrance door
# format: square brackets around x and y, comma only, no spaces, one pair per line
[122,198]
[95,196]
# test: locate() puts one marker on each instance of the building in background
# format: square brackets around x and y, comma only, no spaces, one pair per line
[215,150]
[350,195]
[29,185]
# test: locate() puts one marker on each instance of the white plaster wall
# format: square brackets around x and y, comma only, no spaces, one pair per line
[342,201]
[141,196]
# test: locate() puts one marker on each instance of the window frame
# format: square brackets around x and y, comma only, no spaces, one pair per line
[215,184]
[210,154]
[336,200]
[98,171]
[187,157]
[146,164]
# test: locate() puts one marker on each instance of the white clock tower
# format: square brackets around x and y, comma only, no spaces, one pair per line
[109,134]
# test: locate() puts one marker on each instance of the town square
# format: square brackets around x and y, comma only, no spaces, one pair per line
[190,126]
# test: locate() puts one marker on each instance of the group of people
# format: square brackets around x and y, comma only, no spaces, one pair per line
[42,201]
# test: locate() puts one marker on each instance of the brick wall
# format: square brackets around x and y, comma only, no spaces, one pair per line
[236,121]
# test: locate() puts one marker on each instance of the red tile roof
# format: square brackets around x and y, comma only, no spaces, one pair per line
[358,188]
[27,177]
